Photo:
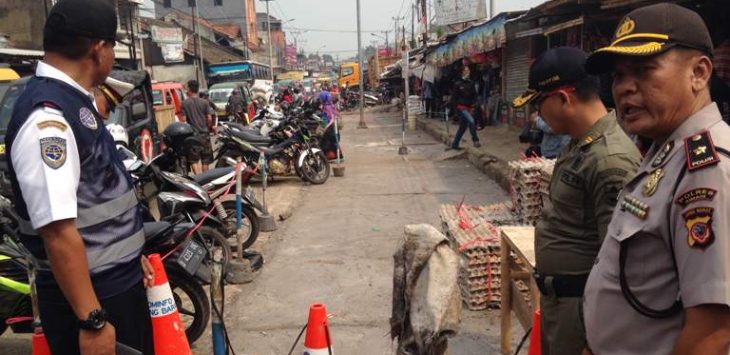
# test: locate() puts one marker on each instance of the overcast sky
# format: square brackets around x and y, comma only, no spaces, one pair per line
[331,25]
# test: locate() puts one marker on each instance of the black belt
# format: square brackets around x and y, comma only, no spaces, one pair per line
[562,285]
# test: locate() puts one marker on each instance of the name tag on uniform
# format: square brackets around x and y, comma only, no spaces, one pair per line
[571,179]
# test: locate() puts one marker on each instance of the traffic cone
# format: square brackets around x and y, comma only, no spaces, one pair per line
[39,343]
[318,340]
[168,331]
[535,348]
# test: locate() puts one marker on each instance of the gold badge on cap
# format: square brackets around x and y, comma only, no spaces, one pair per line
[626,27]
[652,182]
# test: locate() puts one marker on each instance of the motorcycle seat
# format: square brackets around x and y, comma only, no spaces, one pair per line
[273,150]
[210,175]
[251,137]
[239,126]
[153,229]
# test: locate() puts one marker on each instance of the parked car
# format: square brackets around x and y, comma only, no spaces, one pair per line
[7,77]
[137,115]
[219,94]
[168,93]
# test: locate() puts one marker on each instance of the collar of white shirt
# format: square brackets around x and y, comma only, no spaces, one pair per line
[49,71]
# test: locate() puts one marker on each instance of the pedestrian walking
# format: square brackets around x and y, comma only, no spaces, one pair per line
[198,113]
[661,283]
[587,178]
[77,206]
[464,99]
[235,106]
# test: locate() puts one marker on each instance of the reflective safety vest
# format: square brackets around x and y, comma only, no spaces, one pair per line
[108,217]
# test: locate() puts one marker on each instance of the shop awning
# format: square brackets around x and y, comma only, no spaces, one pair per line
[562,26]
[479,38]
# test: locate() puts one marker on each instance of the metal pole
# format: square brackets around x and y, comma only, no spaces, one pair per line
[271,51]
[413,25]
[359,60]
[424,18]
[403,150]
[195,43]
[200,51]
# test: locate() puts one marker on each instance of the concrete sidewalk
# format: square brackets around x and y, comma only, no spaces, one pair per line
[500,144]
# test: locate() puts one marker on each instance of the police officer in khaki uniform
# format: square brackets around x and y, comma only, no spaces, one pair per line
[587,178]
[661,283]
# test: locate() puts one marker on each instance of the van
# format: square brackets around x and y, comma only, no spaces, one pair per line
[349,75]
[168,93]
[219,94]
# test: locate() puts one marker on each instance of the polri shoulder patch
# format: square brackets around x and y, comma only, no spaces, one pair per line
[700,151]
[699,227]
[52,124]
[694,195]
[53,151]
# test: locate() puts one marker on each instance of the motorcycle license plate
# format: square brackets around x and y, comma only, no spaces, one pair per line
[191,257]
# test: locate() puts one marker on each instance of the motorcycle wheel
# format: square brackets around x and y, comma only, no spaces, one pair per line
[316,168]
[214,239]
[249,221]
[191,301]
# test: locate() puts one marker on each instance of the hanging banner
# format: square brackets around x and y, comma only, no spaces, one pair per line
[291,54]
[449,12]
[172,53]
[167,34]
[385,52]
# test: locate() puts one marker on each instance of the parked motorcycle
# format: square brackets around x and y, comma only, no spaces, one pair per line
[288,151]
[185,258]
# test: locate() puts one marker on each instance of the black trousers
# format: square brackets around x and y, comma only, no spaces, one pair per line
[128,312]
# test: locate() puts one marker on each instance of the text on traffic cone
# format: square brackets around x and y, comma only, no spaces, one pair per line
[168,331]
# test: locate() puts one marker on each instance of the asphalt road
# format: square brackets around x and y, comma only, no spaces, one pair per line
[337,248]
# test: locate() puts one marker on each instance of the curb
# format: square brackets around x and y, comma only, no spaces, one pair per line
[494,167]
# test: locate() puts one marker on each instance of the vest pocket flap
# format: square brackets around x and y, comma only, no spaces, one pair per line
[624,231]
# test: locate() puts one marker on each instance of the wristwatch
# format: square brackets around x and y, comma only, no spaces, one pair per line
[95,321]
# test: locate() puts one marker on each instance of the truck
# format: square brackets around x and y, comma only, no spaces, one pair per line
[376,66]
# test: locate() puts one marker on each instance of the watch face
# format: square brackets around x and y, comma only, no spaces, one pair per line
[95,321]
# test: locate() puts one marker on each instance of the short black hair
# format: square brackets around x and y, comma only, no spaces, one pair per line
[69,46]
[588,88]
[193,86]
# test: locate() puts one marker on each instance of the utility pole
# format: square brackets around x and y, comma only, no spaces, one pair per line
[271,51]
[413,25]
[424,20]
[200,51]
[198,62]
[397,19]
[362,124]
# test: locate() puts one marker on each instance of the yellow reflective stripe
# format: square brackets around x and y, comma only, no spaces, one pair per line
[14,286]
[4,257]
[640,35]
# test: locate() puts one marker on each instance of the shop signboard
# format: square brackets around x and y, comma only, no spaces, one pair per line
[449,12]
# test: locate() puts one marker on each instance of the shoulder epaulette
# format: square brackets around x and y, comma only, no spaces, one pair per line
[700,150]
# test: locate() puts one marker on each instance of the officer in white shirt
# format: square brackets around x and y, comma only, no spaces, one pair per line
[78,210]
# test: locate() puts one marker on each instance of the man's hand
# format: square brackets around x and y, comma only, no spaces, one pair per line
[98,342]
[586,352]
[148,274]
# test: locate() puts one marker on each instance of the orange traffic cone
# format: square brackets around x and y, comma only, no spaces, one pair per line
[168,331]
[318,340]
[535,348]
[40,344]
